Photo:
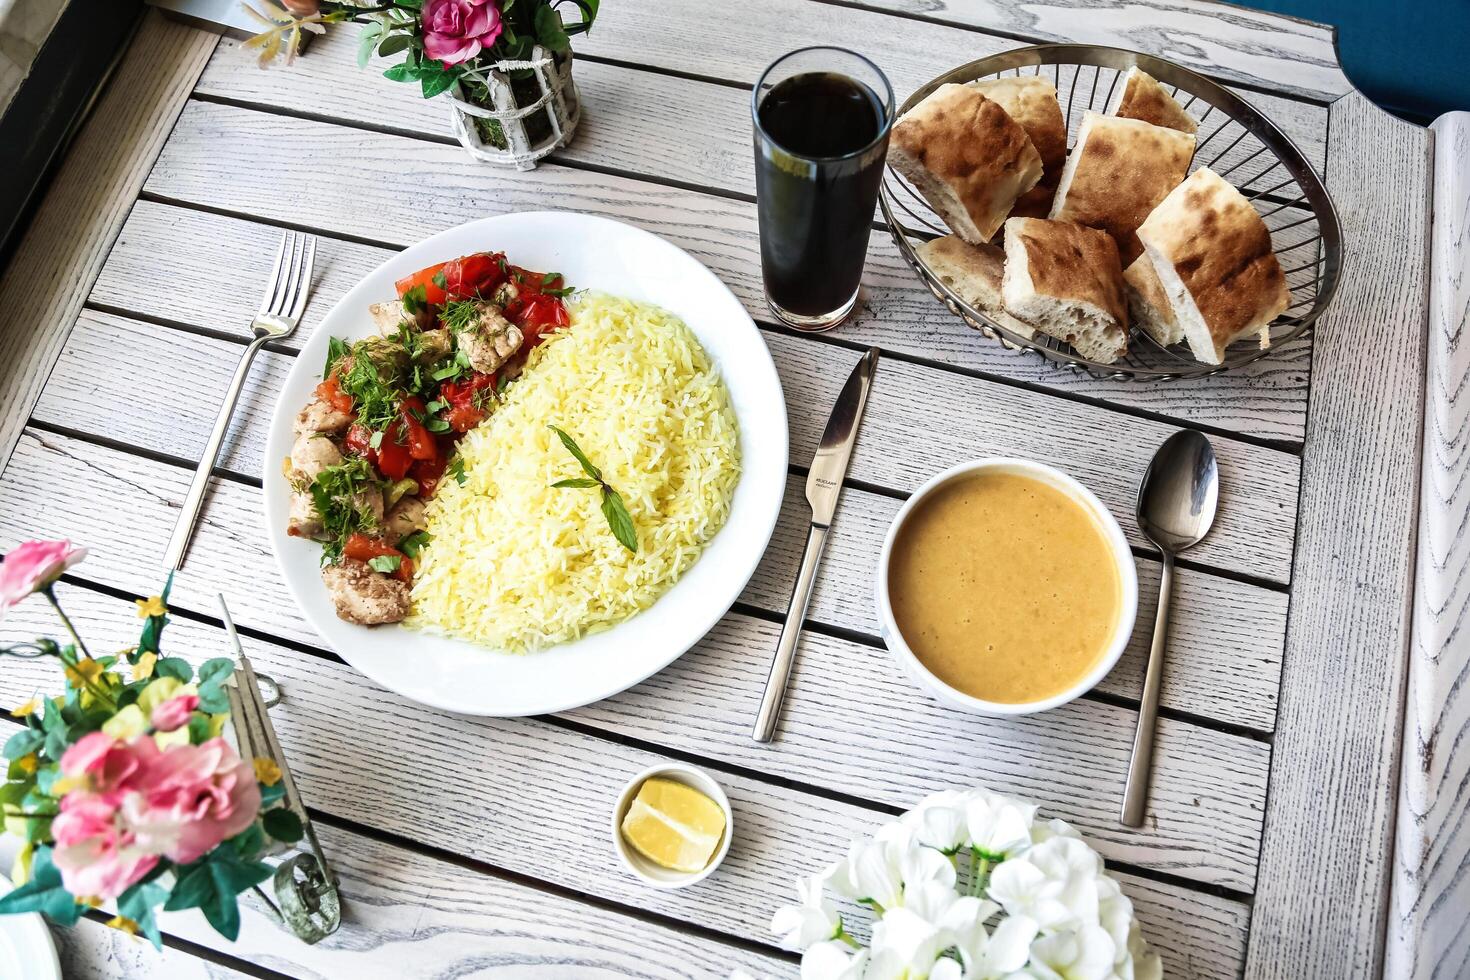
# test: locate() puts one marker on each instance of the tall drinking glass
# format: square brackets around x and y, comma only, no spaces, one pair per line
[822,117]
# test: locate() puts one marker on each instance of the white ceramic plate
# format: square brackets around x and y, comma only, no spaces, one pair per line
[26,947]
[593,253]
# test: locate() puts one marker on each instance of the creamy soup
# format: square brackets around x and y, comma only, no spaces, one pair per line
[1004,587]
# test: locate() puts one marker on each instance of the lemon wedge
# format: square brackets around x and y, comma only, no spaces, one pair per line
[673,825]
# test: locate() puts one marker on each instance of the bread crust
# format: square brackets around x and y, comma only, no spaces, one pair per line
[1124,168]
[975,273]
[1074,263]
[1032,101]
[1148,303]
[968,158]
[1220,249]
[1144,98]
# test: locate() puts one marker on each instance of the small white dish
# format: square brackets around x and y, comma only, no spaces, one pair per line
[26,946]
[650,873]
[1118,545]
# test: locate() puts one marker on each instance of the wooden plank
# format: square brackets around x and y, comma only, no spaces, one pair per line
[1208,788]
[644,122]
[43,286]
[532,798]
[1227,635]
[92,951]
[1334,765]
[1270,50]
[227,158]
[1426,930]
[694,37]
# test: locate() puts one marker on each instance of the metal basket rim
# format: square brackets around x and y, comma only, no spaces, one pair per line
[1314,191]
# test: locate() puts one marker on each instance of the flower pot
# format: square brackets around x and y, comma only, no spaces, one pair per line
[534,110]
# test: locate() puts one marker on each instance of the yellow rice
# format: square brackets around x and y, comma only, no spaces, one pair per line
[517,565]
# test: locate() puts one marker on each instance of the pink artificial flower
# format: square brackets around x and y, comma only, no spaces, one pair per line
[95,854]
[33,566]
[457,30]
[175,712]
[189,798]
[112,766]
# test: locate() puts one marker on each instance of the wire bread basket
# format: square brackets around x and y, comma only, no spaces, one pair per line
[1234,140]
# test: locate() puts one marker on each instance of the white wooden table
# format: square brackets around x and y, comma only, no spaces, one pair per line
[471,845]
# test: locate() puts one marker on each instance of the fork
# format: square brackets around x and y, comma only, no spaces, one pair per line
[280,311]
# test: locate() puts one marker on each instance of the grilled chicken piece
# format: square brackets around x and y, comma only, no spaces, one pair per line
[434,344]
[406,517]
[320,415]
[368,502]
[490,340]
[311,453]
[387,317]
[364,596]
[303,520]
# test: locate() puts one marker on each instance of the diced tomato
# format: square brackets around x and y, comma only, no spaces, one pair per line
[434,294]
[428,473]
[331,392]
[393,457]
[420,440]
[463,418]
[539,316]
[474,275]
[365,547]
[360,440]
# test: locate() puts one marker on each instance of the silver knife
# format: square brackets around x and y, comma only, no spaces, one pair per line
[823,487]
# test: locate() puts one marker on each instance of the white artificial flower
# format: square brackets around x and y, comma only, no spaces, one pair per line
[906,945]
[813,919]
[1083,954]
[939,820]
[1077,868]
[987,955]
[1114,913]
[877,871]
[1023,889]
[998,826]
[833,960]
[1044,830]
[1145,962]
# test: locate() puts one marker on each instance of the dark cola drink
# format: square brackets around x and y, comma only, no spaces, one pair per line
[822,117]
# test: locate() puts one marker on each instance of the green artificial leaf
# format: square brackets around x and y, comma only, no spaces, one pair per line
[152,633]
[549,30]
[589,14]
[23,743]
[577,453]
[43,893]
[211,885]
[282,824]
[272,794]
[580,483]
[15,791]
[439,82]
[198,729]
[249,842]
[213,699]
[176,667]
[138,904]
[218,668]
[414,543]
[367,38]
[394,43]
[402,73]
[387,564]
[619,519]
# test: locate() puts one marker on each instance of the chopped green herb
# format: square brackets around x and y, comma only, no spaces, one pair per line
[619,521]
[550,278]
[440,281]
[436,406]
[456,470]
[373,383]
[377,439]
[387,564]
[501,383]
[337,348]
[415,300]
[436,425]
[340,496]
[414,543]
[460,314]
[451,369]
[563,291]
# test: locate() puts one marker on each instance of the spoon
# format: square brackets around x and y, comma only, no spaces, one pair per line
[1176,506]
